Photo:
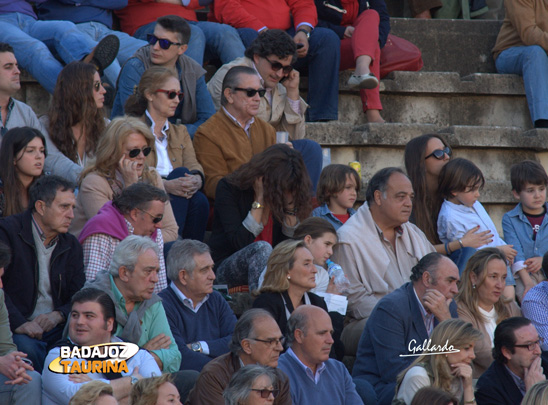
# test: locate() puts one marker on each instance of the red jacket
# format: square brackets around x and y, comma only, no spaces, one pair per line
[257,14]
[142,12]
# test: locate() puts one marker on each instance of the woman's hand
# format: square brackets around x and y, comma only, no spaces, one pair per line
[464,371]
[128,169]
[349,31]
[184,186]
[259,190]
[476,240]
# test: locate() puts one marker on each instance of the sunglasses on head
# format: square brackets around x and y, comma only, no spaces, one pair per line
[164,43]
[439,153]
[171,94]
[277,66]
[265,393]
[135,152]
[251,92]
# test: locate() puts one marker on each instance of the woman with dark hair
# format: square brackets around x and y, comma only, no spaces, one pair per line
[425,156]
[22,154]
[256,207]
[75,120]
[154,101]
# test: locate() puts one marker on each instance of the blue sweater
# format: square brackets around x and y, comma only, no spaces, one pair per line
[334,388]
[214,324]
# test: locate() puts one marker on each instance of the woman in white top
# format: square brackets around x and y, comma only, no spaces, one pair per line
[481,301]
[446,365]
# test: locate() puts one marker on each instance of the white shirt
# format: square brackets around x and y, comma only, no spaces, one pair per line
[164,166]
[491,323]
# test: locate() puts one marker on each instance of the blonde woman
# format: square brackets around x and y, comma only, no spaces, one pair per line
[155,391]
[94,393]
[451,372]
[120,162]
[481,302]
[537,394]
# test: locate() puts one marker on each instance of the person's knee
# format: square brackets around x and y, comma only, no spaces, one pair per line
[262,247]
[197,35]
[178,172]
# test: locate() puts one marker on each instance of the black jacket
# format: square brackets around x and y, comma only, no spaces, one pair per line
[496,387]
[21,276]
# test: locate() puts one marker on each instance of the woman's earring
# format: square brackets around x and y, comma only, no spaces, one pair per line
[474,286]
[289,277]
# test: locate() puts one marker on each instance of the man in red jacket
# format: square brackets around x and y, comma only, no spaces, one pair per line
[318,48]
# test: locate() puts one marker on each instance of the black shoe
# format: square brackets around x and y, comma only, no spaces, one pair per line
[541,124]
[104,53]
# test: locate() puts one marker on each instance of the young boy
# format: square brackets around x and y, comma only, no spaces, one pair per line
[526,226]
[337,192]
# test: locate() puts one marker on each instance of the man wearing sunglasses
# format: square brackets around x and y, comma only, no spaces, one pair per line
[138,210]
[314,377]
[257,339]
[167,46]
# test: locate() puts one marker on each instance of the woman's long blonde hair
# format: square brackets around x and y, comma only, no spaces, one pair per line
[451,332]
[109,149]
[279,263]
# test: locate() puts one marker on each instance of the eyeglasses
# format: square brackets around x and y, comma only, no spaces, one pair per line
[155,220]
[171,94]
[164,43]
[439,153]
[97,86]
[265,393]
[532,346]
[135,152]
[271,342]
[251,92]
[277,66]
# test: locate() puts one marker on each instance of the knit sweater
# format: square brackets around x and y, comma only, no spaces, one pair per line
[213,323]
[334,387]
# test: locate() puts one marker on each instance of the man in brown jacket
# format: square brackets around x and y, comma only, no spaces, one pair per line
[257,339]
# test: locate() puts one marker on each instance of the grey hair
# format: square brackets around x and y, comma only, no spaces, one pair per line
[429,263]
[245,327]
[128,251]
[232,79]
[297,320]
[181,256]
[379,181]
[239,387]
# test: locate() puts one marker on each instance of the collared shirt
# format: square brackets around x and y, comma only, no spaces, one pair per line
[247,125]
[427,317]
[43,235]
[535,307]
[400,260]
[153,323]
[9,109]
[519,382]
[99,248]
[323,212]
[319,369]
[164,166]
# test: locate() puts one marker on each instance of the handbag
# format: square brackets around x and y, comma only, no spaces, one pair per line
[400,54]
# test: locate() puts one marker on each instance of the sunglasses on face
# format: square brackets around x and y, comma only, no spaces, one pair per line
[265,393]
[97,86]
[251,92]
[164,43]
[171,94]
[135,152]
[155,220]
[439,153]
[277,66]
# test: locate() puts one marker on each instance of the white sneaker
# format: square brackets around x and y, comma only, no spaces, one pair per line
[367,81]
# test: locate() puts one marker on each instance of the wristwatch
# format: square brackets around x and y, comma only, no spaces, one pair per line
[256,205]
[306,32]
[196,346]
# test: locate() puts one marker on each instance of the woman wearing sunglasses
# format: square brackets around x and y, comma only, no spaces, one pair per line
[155,100]
[75,121]
[119,163]
[252,385]
[363,28]
[425,156]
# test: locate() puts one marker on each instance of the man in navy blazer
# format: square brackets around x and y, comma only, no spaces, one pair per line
[402,322]
[516,366]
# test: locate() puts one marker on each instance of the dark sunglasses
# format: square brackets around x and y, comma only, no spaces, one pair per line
[171,94]
[277,66]
[135,152]
[265,393]
[97,86]
[164,43]
[438,153]
[155,220]
[251,92]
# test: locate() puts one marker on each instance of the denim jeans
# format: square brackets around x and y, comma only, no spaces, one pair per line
[30,40]
[531,62]
[38,349]
[322,63]
[128,45]
[29,393]
[311,152]
[191,214]
[208,40]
